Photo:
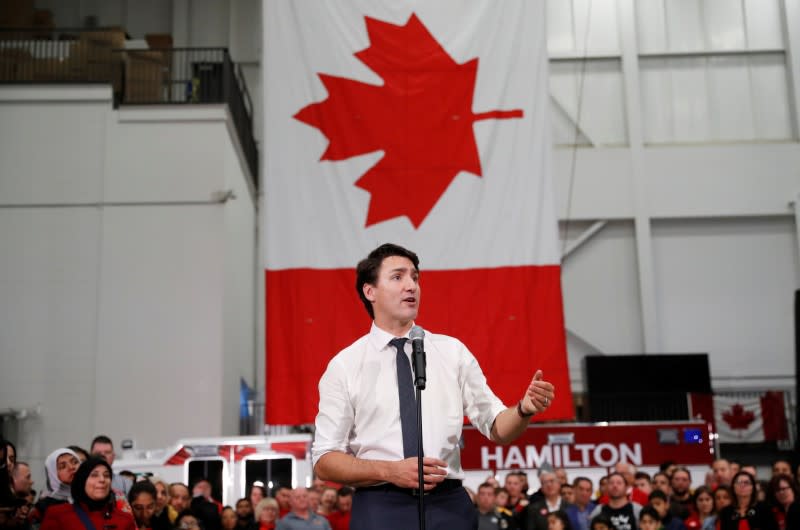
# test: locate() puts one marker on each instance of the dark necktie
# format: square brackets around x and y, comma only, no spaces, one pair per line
[408,404]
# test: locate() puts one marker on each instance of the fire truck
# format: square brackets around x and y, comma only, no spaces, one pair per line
[234,464]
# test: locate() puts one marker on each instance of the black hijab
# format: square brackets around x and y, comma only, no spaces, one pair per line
[78,487]
[7,497]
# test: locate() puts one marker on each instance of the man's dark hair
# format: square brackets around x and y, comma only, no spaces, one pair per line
[682,469]
[649,511]
[79,450]
[618,474]
[561,515]
[788,463]
[641,474]
[663,466]
[657,494]
[602,519]
[345,491]
[100,439]
[188,512]
[367,269]
[485,485]
[582,479]
[143,486]
[567,485]
[243,499]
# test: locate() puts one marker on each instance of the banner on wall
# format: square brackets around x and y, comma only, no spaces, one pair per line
[423,124]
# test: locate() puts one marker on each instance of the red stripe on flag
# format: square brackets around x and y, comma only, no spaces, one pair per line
[511,318]
[774,416]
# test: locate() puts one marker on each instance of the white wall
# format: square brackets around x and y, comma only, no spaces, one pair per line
[126,287]
[690,155]
[726,287]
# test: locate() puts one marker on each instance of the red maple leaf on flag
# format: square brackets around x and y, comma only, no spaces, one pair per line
[421,117]
[738,418]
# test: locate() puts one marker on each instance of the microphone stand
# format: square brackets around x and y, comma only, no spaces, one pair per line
[420,378]
[420,385]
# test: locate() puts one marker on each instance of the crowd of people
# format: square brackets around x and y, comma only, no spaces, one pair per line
[81,491]
[732,498]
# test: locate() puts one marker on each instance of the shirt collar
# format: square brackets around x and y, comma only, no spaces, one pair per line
[380,338]
[553,507]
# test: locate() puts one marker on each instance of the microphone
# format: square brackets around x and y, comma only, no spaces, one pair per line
[418,356]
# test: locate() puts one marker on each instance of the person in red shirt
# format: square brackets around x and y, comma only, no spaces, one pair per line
[340,518]
[327,502]
[93,501]
[783,499]
[704,514]
[282,495]
[267,514]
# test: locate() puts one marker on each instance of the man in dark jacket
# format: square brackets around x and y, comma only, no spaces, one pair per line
[536,513]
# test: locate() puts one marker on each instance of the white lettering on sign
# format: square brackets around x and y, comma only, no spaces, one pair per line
[613,455]
[578,455]
[631,455]
[537,458]
[497,457]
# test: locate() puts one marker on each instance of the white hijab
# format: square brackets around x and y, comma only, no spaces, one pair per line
[55,488]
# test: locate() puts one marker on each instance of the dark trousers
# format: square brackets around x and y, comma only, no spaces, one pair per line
[396,510]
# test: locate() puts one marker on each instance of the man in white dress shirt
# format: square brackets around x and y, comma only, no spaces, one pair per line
[360,429]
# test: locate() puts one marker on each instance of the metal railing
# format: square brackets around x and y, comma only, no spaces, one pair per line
[190,76]
[137,76]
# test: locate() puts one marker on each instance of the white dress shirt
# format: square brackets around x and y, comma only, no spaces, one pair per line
[359,407]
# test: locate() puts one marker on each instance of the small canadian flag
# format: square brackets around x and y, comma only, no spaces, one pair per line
[750,418]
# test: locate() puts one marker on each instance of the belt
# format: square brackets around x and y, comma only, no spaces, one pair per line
[446,485]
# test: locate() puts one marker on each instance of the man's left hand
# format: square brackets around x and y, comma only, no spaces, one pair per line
[539,396]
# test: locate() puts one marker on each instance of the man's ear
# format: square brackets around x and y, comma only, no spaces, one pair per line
[369,291]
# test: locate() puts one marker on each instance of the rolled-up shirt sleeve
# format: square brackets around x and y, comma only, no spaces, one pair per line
[481,405]
[335,418]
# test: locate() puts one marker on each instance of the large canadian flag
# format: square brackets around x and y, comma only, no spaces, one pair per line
[423,124]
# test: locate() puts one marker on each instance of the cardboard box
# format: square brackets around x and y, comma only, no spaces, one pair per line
[16,13]
[159,41]
[145,76]
[13,64]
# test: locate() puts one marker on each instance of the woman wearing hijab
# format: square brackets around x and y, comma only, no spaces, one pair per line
[94,505]
[10,456]
[60,467]
[8,501]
